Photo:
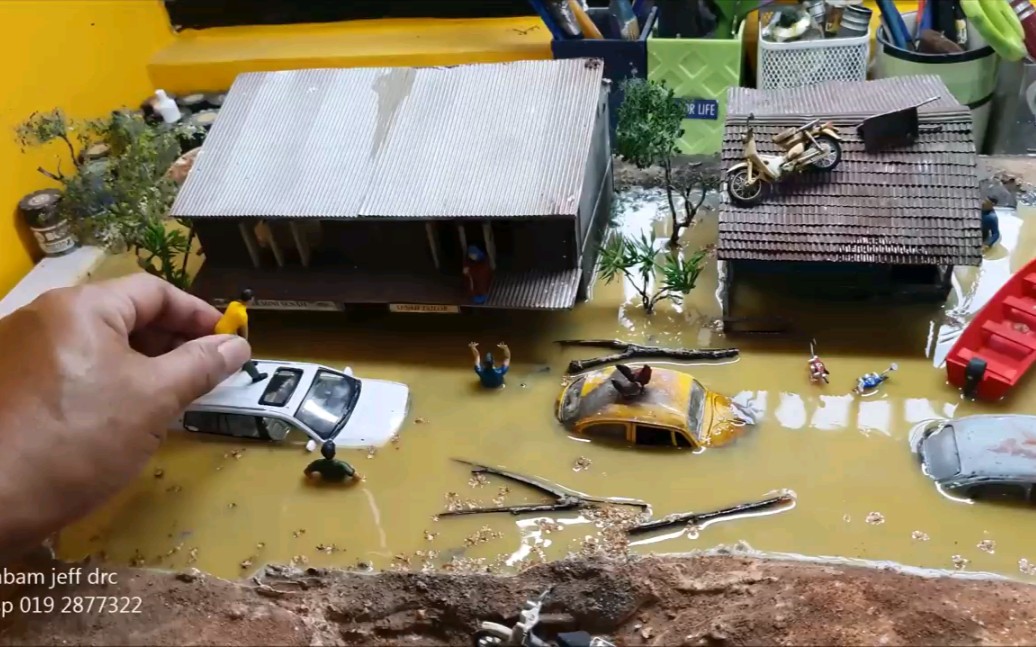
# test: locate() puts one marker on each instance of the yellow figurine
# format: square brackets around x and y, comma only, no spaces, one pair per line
[235,322]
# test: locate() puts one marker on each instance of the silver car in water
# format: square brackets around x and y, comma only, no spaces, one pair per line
[982,456]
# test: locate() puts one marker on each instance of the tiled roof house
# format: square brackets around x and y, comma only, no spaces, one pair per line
[915,205]
[911,206]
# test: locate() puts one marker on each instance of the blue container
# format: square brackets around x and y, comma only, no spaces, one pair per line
[623,59]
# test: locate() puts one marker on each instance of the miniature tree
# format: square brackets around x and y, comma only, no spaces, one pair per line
[638,260]
[124,203]
[646,135]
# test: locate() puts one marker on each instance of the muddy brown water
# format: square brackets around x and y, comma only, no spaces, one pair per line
[219,504]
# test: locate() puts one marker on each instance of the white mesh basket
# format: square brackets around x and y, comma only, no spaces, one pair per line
[794,64]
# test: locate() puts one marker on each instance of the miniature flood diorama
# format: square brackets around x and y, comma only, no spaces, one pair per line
[327,212]
[645,406]
[867,228]
[982,457]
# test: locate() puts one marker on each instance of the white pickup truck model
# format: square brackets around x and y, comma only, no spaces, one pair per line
[322,403]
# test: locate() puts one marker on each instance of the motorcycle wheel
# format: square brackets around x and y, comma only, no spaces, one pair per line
[741,192]
[485,638]
[834,153]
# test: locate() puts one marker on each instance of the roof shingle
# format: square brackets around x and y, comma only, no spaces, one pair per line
[916,205]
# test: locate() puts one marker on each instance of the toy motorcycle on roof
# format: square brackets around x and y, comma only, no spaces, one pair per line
[815,145]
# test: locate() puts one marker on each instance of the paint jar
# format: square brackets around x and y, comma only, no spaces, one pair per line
[53,231]
[817,11]
[856,21]
[834,16]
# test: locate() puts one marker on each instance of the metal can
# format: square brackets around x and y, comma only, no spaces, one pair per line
[52,231]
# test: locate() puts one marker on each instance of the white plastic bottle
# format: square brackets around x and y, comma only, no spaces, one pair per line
[166,107]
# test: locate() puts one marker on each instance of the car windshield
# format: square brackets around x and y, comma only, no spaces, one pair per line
[329,402]
[281,387]
[570,403]
[696,409]
[940,454]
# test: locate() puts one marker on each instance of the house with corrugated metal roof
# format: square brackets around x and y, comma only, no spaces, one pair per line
[886,224]
[322,188]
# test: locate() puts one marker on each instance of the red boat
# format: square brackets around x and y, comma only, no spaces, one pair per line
[999,345]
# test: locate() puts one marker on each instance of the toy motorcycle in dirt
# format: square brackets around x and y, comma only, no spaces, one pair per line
[521,635]
[815,145]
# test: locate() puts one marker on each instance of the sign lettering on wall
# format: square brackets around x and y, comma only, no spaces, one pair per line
[285,304]
[702,109]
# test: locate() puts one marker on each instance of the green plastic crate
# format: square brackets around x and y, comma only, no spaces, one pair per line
[699,68]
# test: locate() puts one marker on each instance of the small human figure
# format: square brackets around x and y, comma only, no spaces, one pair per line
[636,381]
[491,376]
[329,469]
[990,223]
[478,274]
[235,322]
[817,371]
[871,381]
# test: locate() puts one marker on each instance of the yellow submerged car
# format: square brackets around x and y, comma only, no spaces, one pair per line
[671,409]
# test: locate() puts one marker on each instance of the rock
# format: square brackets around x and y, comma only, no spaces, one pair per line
[190,575]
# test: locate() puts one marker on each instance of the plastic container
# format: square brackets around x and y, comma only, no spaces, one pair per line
[1027,16]
[970,76]
[623,59]
[700,71]
[166,107]
[806,62]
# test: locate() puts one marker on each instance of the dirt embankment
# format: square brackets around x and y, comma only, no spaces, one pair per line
[703,600]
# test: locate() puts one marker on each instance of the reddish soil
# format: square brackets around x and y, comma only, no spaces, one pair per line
[703,600]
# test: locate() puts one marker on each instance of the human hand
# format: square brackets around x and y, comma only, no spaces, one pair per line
[502,345]
[473,345]
[91,377]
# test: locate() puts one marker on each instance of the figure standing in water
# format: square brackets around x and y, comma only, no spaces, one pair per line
[235,322]
[328,469]
[491,376]
[478,274]
[990,223]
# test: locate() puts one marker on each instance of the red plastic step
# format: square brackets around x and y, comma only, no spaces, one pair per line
[1030,280]
[1021,304]
[1004,329]
[992,365]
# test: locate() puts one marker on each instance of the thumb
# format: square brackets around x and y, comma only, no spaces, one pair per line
[193,369]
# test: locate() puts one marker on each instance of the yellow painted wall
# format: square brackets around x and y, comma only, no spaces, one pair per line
[85,56]
[210,59]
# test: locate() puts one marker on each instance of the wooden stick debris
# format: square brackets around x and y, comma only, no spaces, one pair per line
[698,518]
[564,498]
[636,351]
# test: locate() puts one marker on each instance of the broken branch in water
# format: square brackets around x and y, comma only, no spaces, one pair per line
[564,498]
[636,351]
[698,518]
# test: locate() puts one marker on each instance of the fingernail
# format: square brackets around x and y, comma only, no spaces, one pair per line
[235,351]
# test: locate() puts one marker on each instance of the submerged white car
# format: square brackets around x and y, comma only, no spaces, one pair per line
[320,402]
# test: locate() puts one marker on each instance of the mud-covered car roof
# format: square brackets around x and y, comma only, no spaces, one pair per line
[996,446]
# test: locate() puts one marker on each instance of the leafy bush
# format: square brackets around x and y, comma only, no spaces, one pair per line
[122,202]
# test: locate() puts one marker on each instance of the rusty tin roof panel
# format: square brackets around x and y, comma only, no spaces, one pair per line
[490,140]
[916,205]
[291,143]
[848,98]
